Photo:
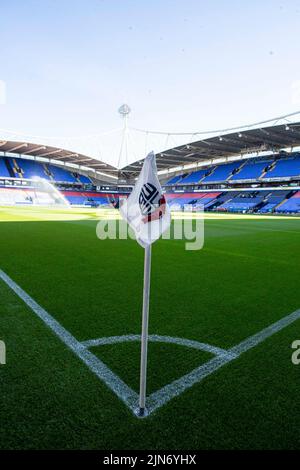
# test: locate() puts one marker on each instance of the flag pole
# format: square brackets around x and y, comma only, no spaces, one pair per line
[144,339]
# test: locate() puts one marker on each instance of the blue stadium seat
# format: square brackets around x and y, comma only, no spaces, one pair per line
[61,174]
[31,168]
[222,172]
[291,205]
[242,202]
[79,200]
[285,167]
[84,179]
[3,170]
[269,207]
[251,170]
[194,177]
[174,180]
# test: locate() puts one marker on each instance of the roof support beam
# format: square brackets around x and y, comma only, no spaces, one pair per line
[17,147]
[46,154]
[72,155]
[293,134]
[82,160]
[275,138]
[35,149]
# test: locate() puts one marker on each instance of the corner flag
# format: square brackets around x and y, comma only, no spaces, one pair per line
[146,210]
[147,213]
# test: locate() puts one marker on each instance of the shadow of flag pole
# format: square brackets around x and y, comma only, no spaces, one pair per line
[144,338]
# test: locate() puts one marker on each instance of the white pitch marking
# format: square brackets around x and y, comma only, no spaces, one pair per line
[259,337]
[165,394]
[125,393]
[175,388]
[160,339]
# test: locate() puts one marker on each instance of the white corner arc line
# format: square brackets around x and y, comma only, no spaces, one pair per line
[175,388]
[165,394]
[125,393]
[161,339]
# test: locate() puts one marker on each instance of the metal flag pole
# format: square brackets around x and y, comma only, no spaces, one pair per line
[145,321]
[124,111]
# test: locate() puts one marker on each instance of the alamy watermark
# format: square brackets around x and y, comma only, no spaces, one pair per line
[185,226]
[296,353]
[2,353]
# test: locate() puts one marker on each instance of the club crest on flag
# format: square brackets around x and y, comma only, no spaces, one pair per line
[147,198]
[152,203]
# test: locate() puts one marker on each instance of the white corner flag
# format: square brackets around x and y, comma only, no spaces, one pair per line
[147,213]
[146,210]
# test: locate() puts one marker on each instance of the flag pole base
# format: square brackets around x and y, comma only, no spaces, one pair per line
[141,412]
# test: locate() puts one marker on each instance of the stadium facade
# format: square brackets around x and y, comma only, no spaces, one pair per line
[251,171]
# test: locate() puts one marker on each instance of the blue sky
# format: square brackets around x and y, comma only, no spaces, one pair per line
[181,65]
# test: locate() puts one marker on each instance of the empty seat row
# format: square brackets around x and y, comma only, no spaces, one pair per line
[291,205]
[252,169]
[23,168]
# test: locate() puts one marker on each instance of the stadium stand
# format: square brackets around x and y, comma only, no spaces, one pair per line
[286,167]
[31,168]
[221,172]
[193,178]
[87,198]
[84,179]
[179,201]
[3,169]
[174,180]
[260,172]
[273,200]
[251,170]
[239,186]
[13,196]
[221,199]
[263,201]
[76,200]
[13,167]
[242,202]
[291,205]
[61,174]
[207,199]
[30,196]
[259,201]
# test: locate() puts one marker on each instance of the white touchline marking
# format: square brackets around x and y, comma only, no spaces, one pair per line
[259,337]
[175,388]
[166,393]
[125,393]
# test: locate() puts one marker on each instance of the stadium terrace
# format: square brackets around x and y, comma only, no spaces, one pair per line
[254,171]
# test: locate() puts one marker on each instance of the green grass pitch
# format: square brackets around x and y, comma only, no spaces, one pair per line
[245,278]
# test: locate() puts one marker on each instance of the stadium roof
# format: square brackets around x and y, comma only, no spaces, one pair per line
[238,143]
[56,154]
[272,138]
